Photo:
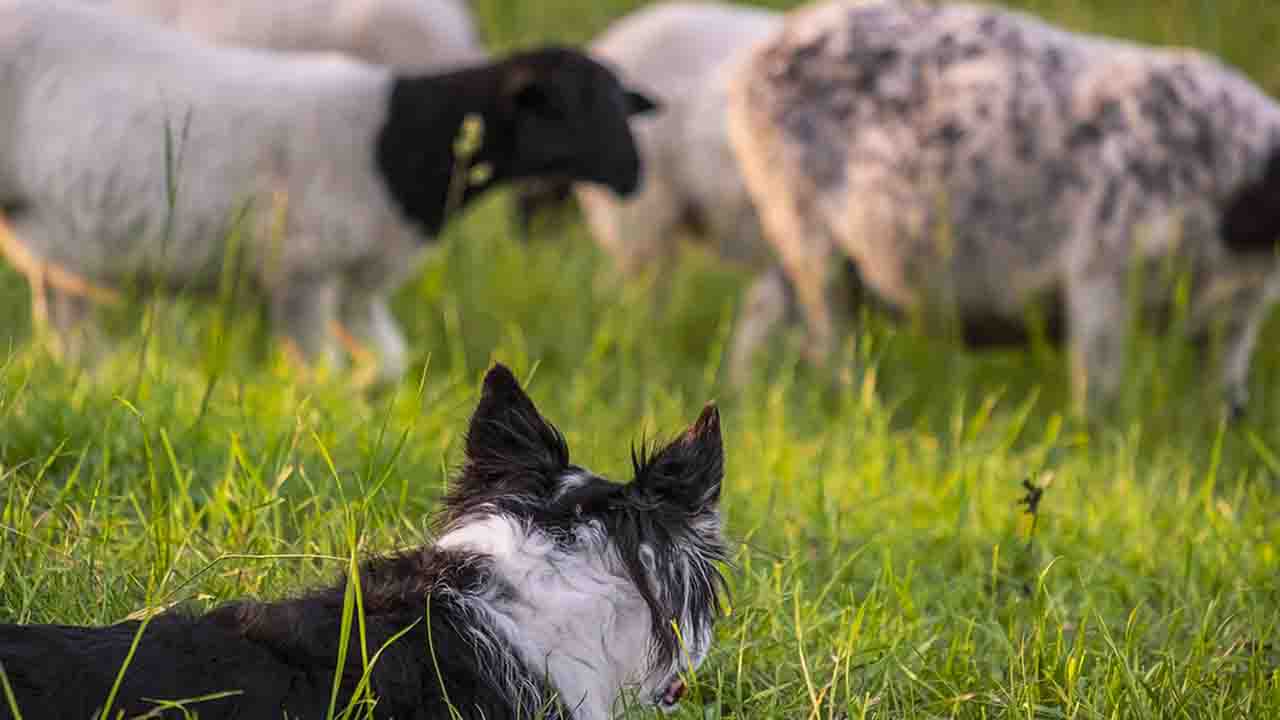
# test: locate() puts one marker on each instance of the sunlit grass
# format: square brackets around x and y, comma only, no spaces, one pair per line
[883,566]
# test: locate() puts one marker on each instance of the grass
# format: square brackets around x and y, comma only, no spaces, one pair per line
[883,565]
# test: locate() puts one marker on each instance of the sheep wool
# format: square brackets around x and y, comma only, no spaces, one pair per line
[684,54]
[976,163]
[414,35]
[128,151]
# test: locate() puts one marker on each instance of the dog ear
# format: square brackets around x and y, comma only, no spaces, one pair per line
[508,434]
[1251,218]
[640,104]
[689,470]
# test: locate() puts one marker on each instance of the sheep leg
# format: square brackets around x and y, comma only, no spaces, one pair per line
[1240,341]
[534,198]
[1097,310]
[768,302]
[368,319]
[807,258]
[61,301]
[804,248]
[68,314]
[303,312]
[1247,318]
[641,235]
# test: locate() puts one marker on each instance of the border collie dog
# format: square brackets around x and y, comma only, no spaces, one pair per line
[550,593]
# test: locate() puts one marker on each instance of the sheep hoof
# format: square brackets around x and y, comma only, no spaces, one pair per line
[1237,408]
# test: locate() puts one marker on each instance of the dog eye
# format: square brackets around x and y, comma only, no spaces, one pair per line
[577,510]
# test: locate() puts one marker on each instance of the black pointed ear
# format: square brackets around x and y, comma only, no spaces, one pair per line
[507,434]
[1251,218]
[640,104]
[689,470]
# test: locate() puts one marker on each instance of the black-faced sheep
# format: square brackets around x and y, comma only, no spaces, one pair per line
[975,162]
[348,169]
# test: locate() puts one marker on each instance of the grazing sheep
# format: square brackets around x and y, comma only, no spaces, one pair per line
[976,163]
[346,170]
[683,54]
[417,35]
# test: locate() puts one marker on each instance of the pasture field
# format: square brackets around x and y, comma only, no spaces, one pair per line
[883,566]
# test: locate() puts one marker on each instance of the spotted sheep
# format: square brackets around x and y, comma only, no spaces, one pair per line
[128,151]
[417,35]
[977,164]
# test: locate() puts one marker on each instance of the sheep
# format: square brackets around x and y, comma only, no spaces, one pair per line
[976,163]
[340,173]
[682,53]
[410,35]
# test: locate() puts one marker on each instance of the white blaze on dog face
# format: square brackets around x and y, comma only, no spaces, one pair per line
[605,587]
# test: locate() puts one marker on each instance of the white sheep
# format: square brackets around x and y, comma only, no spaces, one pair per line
[976,162]
[347,171]
[416,35]
[684,54]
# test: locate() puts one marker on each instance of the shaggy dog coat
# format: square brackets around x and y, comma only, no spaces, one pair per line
[550,593]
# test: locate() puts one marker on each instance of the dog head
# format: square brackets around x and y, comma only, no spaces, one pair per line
[651,545]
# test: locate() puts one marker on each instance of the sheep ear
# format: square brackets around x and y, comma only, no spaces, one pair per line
[1251,218]
[507,434]
[689,471]
[524,91]
[532,97]
[640,104]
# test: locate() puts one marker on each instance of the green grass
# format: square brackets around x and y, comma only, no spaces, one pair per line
[882,564]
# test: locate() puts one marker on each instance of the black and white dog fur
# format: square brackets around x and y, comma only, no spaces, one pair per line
[551,592]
